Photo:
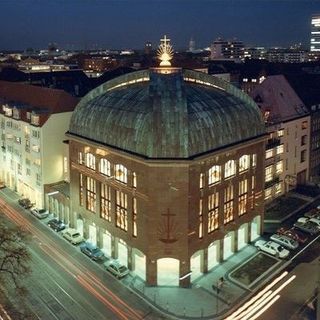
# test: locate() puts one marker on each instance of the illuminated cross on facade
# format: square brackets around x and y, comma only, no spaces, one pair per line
[168,229]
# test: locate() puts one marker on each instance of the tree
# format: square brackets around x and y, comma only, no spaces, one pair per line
[14,255]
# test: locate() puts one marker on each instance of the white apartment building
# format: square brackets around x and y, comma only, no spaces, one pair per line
[33,123]
[288,123]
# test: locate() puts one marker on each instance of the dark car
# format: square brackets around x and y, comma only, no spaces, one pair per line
[56,225]
[2,185]
[92,251]
[308,227]
[25,203]
[294,234]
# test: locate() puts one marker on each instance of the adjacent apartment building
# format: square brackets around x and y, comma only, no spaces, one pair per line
[33,123]
[288,124]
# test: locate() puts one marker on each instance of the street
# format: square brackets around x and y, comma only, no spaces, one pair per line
[64,283]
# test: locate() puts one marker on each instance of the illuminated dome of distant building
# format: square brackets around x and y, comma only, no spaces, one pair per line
[167,113]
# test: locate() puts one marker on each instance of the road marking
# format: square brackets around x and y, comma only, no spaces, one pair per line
[305,248]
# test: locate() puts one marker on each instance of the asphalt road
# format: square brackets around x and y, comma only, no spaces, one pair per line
[67,285]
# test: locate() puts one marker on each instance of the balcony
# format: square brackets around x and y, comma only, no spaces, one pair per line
[275,180]
[272,143]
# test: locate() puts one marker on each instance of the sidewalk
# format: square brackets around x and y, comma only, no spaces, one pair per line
[201,300]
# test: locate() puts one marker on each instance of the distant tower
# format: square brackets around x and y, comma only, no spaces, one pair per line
[148,48]
[192,45]
[315,33]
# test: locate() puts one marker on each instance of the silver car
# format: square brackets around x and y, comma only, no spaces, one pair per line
[40,213]
[285,241]
[116,268]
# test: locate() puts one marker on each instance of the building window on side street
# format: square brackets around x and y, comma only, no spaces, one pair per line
[214,175]
[228,204]
[121,173]
[91,194]
[213,212]
[121,210]
[267,193]
[303,156]
[105,202]
[200,219]
[243,196]
[230,169]
[134,217]
[105,167]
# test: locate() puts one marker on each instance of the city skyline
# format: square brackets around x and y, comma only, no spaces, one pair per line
[97,24]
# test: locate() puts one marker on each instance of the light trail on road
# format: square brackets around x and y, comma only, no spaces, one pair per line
[87,280]
[261,300]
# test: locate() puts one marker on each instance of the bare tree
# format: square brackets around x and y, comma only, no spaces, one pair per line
[14,255]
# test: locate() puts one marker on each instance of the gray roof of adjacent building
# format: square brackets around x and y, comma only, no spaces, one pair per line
[179,114]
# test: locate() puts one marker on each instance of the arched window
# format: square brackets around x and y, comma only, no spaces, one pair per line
[230,168]
[90,161]
[244,163]
[105,167]
[121,173]
[214,174]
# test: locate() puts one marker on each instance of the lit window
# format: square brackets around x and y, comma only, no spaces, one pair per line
[267,193]
[214,174]
[201,180]
[280,133]
[90,161]
[268,173]
[121,173]
[105,202]
[91,194]
[279,149]
[134,217]
[81,189]
[80,158]
[65,164]
[278,188]
[121,210]
[244,163]
[228,204]
[105,167]
[230,169]
[134,179]
[200,220]
[213,210]
[269,153]
[279,167]
[243,196]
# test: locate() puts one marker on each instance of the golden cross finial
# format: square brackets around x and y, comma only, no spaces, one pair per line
[165,52]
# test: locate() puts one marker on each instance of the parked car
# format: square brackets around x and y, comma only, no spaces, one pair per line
[285,241]
[73,236]
[2,185]
[92,251]
[308,227]
[313,220]
[56,225]
[293,234]
[315,212]
[116,268]
[25,203]
[272,248]
[40,213]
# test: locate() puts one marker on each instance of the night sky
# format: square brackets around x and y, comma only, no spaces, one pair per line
[75,24]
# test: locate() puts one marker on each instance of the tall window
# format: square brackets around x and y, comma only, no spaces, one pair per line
[244,163]
[90,161]
[228,204]
[121,173]
[253,185]
[91,194]
[230,169]
[200,219]
[105,202]
[213,209]
[279,167]
[254,160]
[121,210]
[80,158]
[243,196]
[268,173]
[81,189]
[134,217]
[214,174]
[134,179]
[201,182]
[105,167]
[279,149]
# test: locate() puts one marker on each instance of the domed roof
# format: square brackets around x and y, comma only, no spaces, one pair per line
[176,115]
